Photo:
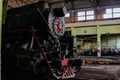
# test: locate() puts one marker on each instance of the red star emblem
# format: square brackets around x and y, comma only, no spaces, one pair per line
[58,26]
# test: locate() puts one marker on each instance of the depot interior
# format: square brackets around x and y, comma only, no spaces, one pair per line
[93,25]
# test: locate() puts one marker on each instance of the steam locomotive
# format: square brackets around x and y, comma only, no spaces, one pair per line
[34,44]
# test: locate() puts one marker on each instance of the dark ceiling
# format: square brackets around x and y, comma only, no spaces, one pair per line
[71,4]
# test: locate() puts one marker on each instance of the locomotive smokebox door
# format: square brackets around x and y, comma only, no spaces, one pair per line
[56,25]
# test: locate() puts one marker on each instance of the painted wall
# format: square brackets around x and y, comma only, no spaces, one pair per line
[91,30]
[84,31]
[109,40]
[112,29]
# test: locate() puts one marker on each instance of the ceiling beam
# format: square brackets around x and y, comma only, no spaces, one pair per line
[17,3]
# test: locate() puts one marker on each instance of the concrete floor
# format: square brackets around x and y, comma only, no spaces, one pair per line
[97,71]
[102,58]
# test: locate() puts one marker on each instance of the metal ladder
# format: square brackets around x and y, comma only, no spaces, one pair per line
[42,51]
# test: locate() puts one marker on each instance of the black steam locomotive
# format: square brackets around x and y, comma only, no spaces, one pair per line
[34,45]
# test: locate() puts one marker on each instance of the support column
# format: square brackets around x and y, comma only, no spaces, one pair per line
[98,41]
[0,24]
[0,32]
[75,47]
[5,2]
[72,31]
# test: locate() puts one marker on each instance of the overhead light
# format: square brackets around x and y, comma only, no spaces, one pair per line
[92,0]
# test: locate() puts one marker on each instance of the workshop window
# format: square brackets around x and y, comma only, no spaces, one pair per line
[108,13]
[81,16]
[116,12]
[112,13]
[85,15]
[89,15]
